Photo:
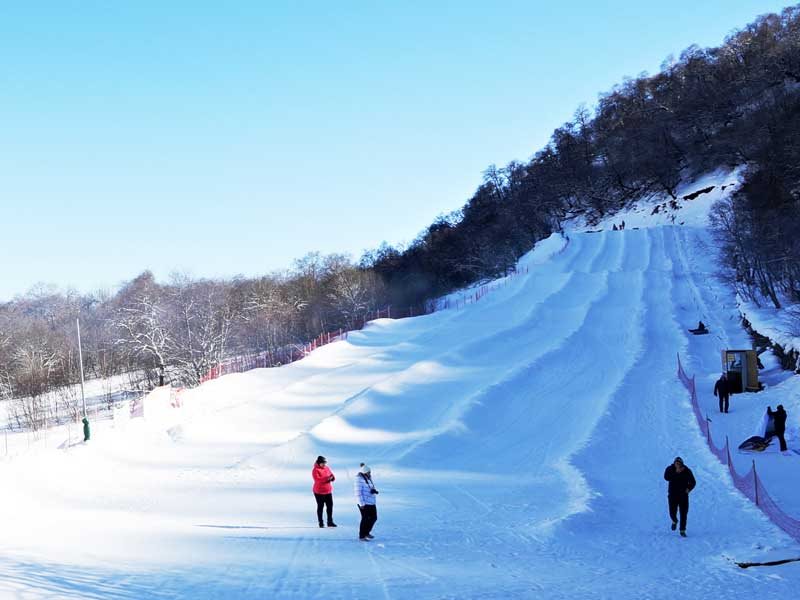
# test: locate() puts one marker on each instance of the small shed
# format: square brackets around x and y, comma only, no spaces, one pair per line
[741,366]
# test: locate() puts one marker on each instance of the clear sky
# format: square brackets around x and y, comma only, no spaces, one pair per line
[231,138]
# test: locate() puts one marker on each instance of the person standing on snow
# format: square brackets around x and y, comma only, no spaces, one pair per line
[365,498]
[681,482]
[779,419]
[323,489]
[723,391]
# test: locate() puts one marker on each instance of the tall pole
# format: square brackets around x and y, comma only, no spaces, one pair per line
[80,359]
[755,480]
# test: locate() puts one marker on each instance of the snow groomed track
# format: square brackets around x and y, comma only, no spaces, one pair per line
[518,444]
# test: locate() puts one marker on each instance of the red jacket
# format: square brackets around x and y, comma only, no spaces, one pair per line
[322,479]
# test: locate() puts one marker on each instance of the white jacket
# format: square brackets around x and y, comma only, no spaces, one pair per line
[362,489]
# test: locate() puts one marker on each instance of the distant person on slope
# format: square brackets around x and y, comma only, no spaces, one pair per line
[323,489]
[365,498]
[700,330]
[681,482]
[723,392]
[779,419]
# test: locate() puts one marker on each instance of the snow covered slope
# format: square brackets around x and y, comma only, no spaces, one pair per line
[518,445]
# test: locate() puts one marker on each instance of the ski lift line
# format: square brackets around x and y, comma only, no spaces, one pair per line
[748,484]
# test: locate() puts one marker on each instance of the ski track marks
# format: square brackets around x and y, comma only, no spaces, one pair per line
[519,445]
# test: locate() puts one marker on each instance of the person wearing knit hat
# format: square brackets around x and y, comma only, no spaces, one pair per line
[323,489]
[681,482]
[365,499]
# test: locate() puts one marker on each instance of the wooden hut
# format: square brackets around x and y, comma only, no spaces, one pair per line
[741,366]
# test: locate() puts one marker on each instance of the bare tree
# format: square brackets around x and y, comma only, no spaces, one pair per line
[141,319]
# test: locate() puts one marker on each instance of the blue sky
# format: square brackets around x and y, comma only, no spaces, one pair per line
[223,140]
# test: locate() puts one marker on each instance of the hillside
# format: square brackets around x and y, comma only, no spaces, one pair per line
[518,444]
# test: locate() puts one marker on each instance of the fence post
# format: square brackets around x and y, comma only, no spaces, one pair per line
[708,431]
[755,480]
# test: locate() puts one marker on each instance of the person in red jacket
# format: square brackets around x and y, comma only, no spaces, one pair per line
[323,489]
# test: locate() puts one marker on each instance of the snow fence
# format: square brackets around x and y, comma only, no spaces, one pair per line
[749,483]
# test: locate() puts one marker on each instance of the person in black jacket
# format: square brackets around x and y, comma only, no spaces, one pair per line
[723,391]
[681,482]
[779,419]
[700,330]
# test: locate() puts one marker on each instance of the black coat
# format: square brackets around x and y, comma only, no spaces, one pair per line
[722,388]
[680,484]
[779,419]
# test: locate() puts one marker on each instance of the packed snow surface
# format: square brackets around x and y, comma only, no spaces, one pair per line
[518,445]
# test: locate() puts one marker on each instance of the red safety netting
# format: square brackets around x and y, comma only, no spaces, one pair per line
[775,513]
[749,484]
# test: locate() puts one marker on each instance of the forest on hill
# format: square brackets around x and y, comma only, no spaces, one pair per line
[737,105]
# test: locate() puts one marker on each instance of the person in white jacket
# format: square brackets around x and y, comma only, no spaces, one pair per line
[365,497]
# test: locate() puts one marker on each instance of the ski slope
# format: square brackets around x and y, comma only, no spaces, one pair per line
[518,445]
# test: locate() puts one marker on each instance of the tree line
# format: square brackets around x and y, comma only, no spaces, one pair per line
[730,106]
[725,107]
[180,328]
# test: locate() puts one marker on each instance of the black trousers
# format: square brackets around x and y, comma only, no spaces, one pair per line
[325,500]
[369,515]
[782,439]
[723,403]
[682,503]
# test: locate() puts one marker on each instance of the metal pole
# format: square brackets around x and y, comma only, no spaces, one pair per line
[755,480]
[80,359]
